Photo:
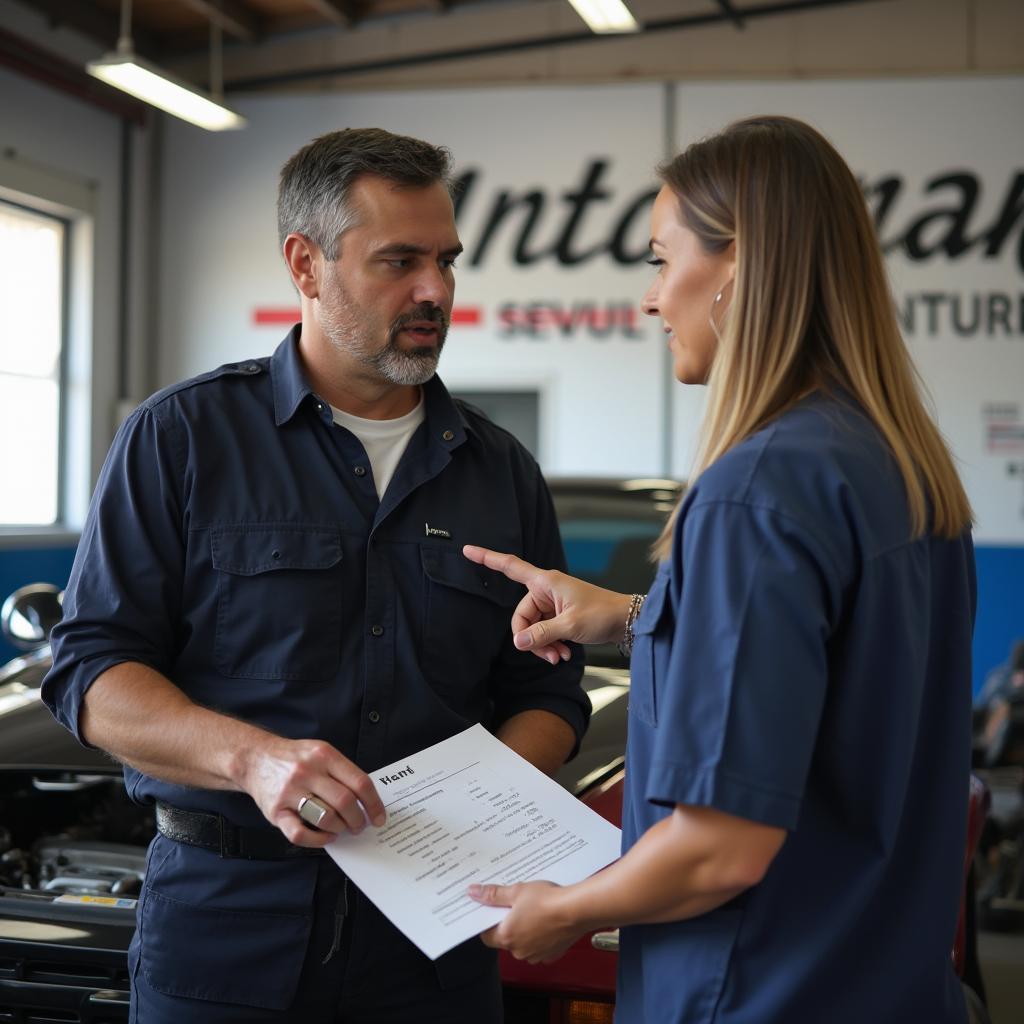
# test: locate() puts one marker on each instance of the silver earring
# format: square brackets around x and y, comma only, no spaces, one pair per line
[711,315]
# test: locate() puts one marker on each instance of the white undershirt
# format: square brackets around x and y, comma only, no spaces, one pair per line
[384,440]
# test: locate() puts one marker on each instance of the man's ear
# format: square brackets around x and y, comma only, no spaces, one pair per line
[305,262]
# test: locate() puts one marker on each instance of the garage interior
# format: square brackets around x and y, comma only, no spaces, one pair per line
[169,262]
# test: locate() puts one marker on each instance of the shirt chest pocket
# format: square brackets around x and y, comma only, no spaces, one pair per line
[278,601]
[467,621]
[650,652]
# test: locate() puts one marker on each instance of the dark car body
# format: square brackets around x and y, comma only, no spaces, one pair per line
[72,853]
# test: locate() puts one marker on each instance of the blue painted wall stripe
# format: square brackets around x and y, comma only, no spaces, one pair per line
[1000,607]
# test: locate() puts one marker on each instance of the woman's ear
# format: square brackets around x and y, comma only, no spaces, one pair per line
[303,259]
[730,258]
[727,265]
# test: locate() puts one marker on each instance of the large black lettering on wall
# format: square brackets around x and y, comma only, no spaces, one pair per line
[944,226]
[936,221]
[517,218]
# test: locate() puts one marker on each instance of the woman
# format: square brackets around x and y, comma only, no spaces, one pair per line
[798,756]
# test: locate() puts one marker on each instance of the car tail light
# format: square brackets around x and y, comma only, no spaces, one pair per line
[582,1011]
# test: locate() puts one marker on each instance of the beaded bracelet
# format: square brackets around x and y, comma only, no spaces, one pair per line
[626,643]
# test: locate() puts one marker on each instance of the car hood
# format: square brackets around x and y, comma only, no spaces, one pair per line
[33,740]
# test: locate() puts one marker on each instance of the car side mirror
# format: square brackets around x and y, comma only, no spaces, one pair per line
[30,613]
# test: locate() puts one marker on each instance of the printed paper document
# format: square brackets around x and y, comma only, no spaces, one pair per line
[468,810]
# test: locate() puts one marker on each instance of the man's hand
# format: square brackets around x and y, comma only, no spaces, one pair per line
[557,607]
[538,927]
[280,772]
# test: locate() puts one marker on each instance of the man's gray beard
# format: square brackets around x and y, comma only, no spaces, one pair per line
[391,363]
[415,367]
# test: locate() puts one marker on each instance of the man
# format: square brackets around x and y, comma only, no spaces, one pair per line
[269,601]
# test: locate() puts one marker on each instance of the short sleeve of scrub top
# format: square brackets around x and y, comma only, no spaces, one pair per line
[739,671]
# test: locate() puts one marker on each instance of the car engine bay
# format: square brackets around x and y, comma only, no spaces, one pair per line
[65,833]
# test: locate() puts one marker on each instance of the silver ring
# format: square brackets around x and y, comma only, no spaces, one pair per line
[311,811]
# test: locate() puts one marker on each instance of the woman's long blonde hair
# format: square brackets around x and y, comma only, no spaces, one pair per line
[810,304]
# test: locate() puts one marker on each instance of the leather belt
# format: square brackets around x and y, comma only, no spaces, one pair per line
[214,832]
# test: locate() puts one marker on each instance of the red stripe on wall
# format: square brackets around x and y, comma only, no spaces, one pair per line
[276,316]
[269,315]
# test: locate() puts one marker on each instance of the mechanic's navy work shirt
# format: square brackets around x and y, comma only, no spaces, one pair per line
[802,663]
[237,545]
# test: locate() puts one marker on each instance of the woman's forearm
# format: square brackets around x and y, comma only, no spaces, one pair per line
[694,860]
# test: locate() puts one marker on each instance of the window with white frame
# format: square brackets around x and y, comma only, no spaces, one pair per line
[32,288]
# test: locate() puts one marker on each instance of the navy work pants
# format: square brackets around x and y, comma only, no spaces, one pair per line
[245,942]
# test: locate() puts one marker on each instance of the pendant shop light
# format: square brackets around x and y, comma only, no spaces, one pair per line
[125,70]
[606,15]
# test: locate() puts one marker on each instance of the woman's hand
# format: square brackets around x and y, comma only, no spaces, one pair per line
[538,927]
[557,607]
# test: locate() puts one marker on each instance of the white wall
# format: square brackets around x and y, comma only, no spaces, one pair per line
[206,258]
[607,403]
[220,261]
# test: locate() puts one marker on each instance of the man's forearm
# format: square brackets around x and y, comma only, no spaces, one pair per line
[541,737]
[143,719]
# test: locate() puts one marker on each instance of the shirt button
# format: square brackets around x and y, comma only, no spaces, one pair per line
[377,630]
[374,716]
[277,554]
[252,368]
[359,471]
[448,435]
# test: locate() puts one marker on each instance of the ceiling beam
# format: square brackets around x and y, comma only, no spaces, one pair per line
[232,18]
[331,11]
[90,21]
[84,18]
[294,76]
[341,12]
[731,12]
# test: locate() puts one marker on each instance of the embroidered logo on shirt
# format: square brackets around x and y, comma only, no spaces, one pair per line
[435,531]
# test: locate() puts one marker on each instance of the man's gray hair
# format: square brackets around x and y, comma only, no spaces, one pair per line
[313,196]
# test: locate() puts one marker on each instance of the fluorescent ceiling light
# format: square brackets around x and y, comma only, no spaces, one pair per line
[134,75]
[606,15]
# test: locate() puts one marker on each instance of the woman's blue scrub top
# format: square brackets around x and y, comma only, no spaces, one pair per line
[802,662]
